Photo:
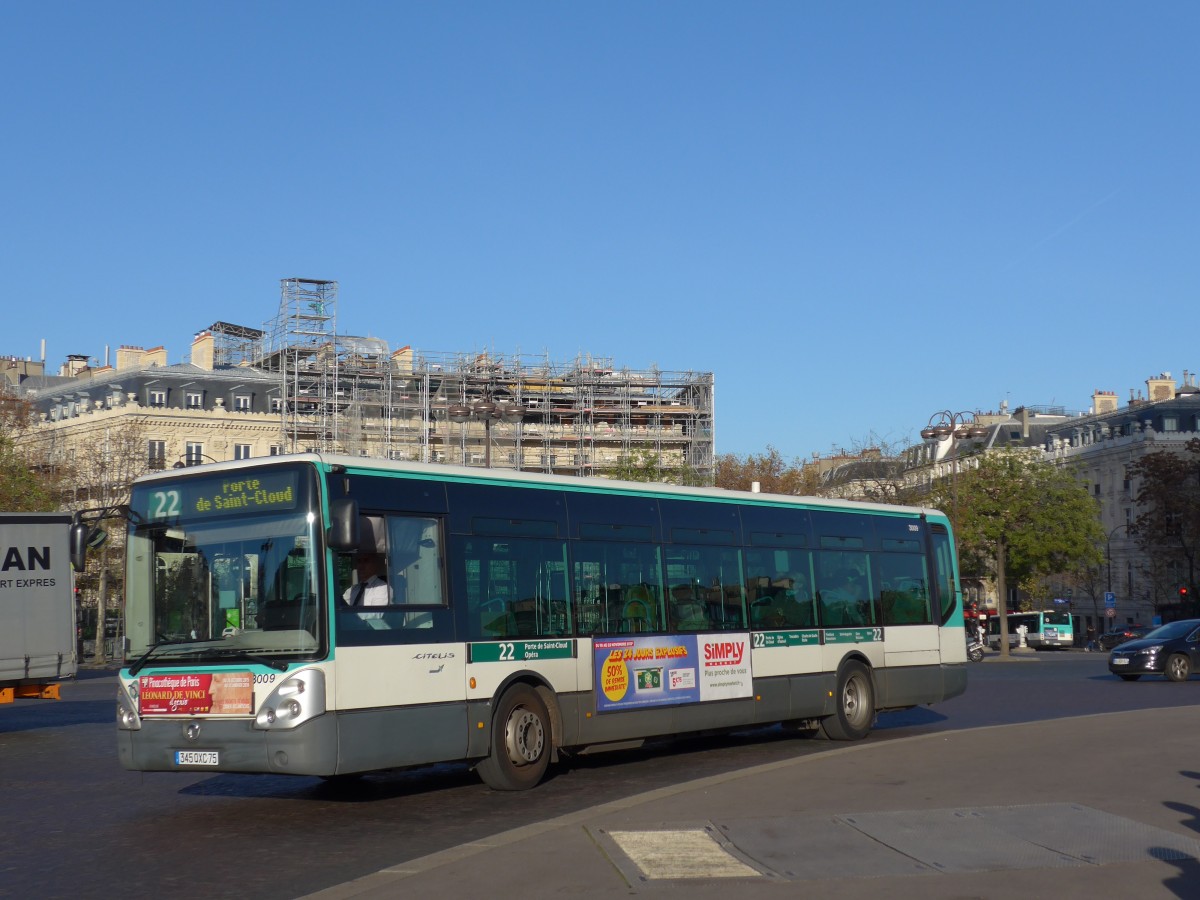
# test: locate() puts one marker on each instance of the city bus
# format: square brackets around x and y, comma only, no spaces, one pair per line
[523,618]
[1044,630]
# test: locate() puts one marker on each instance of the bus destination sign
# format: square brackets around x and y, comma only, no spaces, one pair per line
[223,496]
[520,651]
[253,493]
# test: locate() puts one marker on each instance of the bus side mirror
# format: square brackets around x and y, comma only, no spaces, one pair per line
[343,524]
[79,545]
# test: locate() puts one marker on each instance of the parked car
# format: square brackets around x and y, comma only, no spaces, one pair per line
[1110,639]
[1172,650]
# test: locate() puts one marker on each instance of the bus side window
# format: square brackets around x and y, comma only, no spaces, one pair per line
[707,588]
[844,589]
[516,587]
[618,586]
[903,588]
[944,560]
[777,588]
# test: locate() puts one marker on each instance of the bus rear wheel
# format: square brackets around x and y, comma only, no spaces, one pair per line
[855,700]
[520,749]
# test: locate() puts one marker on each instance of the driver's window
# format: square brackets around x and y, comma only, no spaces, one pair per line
[393,581]
[414,561]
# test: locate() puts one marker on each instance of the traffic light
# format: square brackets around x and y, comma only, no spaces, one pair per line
[1183,595]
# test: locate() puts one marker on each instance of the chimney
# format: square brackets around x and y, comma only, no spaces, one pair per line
[402,360]
[75,366]
[1104,402]
[1160,388]
[203,350]
[156,356]
[129,357]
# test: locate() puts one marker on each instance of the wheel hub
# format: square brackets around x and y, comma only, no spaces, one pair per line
[524,737]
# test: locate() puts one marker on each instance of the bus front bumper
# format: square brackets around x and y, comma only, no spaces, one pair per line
[195,744]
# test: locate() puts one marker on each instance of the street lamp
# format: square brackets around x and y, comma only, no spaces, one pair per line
[946,424]
[487,411]
[193,459]
[1108,554]
[952,426]
[1108,551]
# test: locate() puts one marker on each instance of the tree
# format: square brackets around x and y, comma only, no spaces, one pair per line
[104,469]
[1021,518]
[773,474]
[643,464]
[26,483]
[1089,580]
[1167,528]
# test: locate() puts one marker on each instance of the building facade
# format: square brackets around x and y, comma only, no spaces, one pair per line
[298,385]
[1099,445]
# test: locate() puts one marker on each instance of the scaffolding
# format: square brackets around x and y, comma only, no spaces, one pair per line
[302,348]
[353,395]
[235,345]
[583,417]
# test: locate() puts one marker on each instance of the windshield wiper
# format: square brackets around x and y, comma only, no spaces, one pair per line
[209,651]
[145,657]
[253,657]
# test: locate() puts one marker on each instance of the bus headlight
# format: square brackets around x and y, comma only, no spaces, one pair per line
[296,700]
[127,704]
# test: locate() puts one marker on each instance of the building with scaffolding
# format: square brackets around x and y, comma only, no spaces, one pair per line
[300,385]
[355,395]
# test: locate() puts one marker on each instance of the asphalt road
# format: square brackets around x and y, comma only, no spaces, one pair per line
[77,825]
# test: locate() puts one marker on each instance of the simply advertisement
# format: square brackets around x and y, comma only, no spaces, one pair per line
[666,670]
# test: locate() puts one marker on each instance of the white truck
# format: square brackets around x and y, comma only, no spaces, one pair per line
[37,605]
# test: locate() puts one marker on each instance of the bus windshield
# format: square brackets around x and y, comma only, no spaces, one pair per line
[223,566]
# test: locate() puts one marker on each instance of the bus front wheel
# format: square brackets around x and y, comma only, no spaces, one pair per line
[855,699]
[520,749]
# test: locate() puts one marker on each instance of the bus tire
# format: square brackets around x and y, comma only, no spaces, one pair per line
[1178,667]
[521,738]
[855,701]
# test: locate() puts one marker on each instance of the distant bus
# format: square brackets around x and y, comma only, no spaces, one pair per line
[515,618]
[1045,630]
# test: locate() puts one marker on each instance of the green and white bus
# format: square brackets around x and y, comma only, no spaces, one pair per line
[525,617]
[1048,629]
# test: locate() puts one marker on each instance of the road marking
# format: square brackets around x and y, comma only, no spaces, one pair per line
[691,853]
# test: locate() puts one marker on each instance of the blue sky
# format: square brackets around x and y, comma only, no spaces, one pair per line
[854,214]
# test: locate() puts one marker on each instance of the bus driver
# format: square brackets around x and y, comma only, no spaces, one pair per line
[371,589]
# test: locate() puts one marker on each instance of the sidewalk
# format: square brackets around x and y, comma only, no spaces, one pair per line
[923,817]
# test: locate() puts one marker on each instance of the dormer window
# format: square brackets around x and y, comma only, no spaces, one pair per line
[158,398]
[241,402]
[195,399]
